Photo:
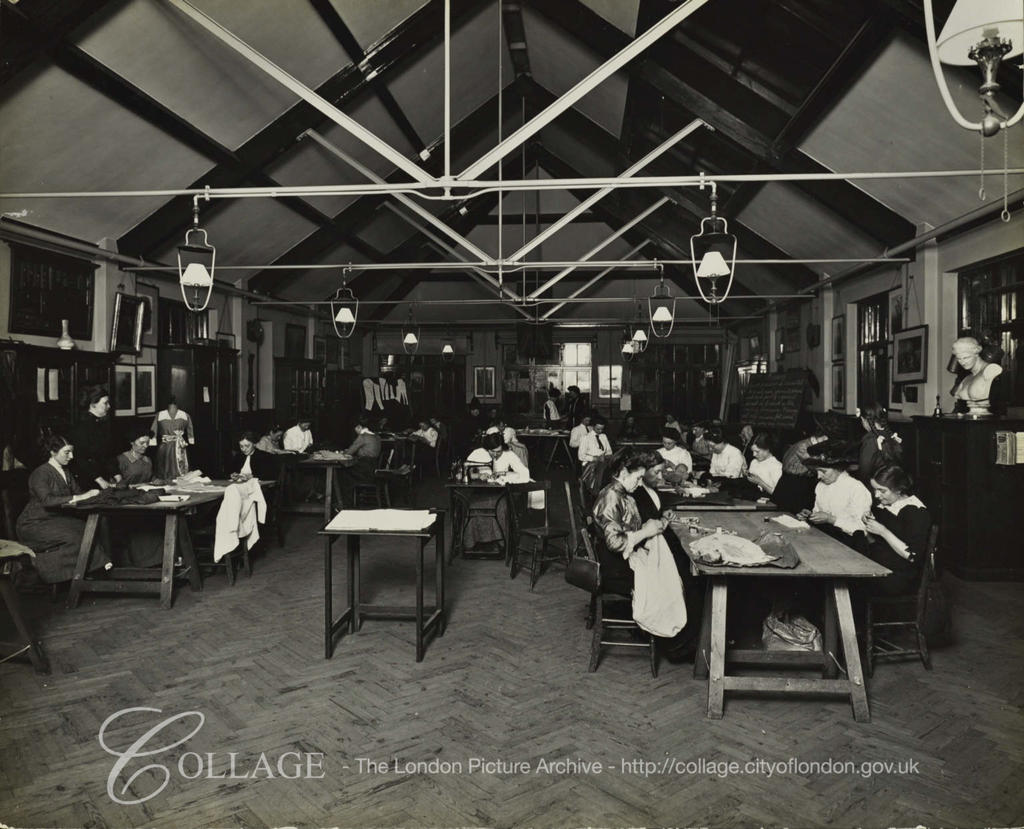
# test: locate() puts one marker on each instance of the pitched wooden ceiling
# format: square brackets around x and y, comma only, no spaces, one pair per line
[130,94]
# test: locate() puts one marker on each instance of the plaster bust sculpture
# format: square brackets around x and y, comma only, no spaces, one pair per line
[975,387]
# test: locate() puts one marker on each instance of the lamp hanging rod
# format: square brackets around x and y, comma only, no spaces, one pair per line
[700,322]
[631,264]
[469,189]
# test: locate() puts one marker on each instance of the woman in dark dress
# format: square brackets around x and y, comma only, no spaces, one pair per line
[55,536]
[95,464]
[252,461]
[134,466]
[899,531]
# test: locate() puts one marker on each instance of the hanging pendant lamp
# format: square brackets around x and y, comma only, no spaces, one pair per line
[344,310]
[713,251]
[661,308]
[195,265]
[410,335]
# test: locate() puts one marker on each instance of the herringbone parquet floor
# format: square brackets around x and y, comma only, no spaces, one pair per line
[508,682]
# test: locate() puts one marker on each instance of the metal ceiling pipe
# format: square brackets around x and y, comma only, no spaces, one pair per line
[566,101]
[558,277]
[470,189]
[593,199]
[304,92]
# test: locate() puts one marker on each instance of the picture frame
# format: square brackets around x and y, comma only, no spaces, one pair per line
[226,340]
[145,389]
[150,296]
[910,355]
[126,330]
[123,393]
[839,386]
[483,381]
[838,338]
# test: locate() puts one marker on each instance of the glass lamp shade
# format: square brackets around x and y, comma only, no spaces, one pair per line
[639,340]
[344,312]
[661,307]
[628,350]
[447,352]
[973,21]
[713,251]
[410,341]
[195,271]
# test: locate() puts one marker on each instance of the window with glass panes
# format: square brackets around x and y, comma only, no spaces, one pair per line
[991,296]
[873,350]
[525,385]
[682,379]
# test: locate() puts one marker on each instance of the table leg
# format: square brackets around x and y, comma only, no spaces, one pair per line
[451,512]
[419,600]
[848,632]
[568,452]
[353,580]
[716,681]
[439,571]
[167,568]
[551,457]
[84,553]
[188,555]
[328,596]
[328,492]
[702,659]
[830,670]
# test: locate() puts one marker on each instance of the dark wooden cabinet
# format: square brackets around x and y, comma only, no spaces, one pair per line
[298,391]
[203,380]
[40,390]
[978,502]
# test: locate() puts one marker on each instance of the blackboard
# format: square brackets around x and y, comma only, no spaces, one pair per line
[773,401]
[46,288]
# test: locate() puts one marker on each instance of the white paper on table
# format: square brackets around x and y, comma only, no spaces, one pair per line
[791,522]
[401,520]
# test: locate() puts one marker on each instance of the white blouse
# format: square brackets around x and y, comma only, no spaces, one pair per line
[769,471]
[507,464]
[847,499]
[594,446]
[728,463]
[677,455]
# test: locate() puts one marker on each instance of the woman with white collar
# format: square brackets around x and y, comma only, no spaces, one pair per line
[840,501]
[899,529]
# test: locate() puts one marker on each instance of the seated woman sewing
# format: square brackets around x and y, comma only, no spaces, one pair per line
[897,531]
[765,469]
[841,502]
[140,540]
[492,461]
[253,462]
[55,536]
[635,550]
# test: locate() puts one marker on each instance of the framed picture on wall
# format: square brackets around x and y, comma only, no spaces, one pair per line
[838,338]
[294,341]
[838,386]
[910,355]
[126,332]
[124,391]
[46,288]
[483,381]
[145,389]
[150,297]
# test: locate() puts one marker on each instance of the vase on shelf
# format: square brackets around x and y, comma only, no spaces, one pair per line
[64,341]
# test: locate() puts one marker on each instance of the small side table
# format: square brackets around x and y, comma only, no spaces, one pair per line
[351,618]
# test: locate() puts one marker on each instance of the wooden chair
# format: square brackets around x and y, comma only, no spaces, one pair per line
[542,535]
[907,613]
[387,475]
[613,622]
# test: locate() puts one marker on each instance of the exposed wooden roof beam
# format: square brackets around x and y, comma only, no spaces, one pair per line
[329,15]
[391,52]
[852,204]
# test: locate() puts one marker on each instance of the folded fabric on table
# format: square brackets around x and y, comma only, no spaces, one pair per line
[722,550]
[393,520]
[12,549]
[776,544]
[327,455]
[126,497]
